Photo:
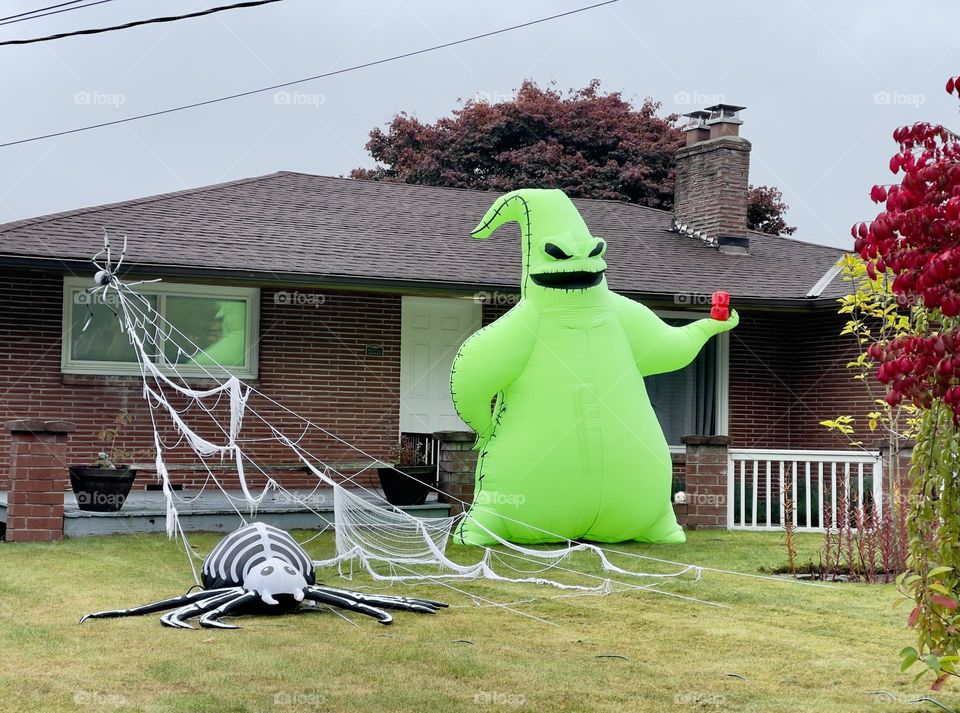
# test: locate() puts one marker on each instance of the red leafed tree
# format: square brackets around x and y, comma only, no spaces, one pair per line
[766,211]
[913,246]
[586,142]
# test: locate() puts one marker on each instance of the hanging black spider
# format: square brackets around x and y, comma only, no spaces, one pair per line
[261,569]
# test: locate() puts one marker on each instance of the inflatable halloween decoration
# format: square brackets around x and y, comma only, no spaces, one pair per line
[260,569]
[572,448]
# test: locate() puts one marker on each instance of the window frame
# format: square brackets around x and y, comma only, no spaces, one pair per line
[722,366]
[250,295]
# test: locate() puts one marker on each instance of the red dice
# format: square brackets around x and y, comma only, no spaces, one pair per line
[720,309]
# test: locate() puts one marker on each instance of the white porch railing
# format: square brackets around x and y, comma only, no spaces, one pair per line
[756,480]
[428,445]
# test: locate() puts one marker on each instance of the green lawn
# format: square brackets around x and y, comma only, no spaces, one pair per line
[797,648]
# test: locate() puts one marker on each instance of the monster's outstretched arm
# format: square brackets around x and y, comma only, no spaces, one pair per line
[658,347]
[488,362]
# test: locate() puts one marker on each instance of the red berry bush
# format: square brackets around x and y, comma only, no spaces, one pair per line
[913,248]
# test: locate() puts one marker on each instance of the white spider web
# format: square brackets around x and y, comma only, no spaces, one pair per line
[206,426]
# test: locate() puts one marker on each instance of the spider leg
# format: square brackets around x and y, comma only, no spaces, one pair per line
[177,618]
[106,244]
[142,282]
[424,606]
[211,620]
[345,600]
[116,268]
[172,603]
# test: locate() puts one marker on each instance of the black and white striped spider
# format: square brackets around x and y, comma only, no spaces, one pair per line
[261,569]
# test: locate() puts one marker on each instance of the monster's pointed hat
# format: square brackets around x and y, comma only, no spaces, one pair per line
[547,211]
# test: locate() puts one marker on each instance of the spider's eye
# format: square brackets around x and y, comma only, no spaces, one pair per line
[267,570]
[290,570]
[555,251]
[599,249]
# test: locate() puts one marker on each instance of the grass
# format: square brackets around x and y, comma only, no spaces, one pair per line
[798,648]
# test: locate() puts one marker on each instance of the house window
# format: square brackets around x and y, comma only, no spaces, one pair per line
[210,325]
[692,400]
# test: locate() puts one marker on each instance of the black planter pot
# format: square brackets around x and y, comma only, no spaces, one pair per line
[101,489]
[407,484]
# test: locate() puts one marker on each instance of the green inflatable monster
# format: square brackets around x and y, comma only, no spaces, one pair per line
[571,448]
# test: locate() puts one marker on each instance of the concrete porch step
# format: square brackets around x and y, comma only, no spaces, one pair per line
[213,511]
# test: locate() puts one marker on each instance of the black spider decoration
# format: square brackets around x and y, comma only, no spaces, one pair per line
[262,569]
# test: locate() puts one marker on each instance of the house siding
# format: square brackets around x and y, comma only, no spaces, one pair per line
[786,374]
[312,360]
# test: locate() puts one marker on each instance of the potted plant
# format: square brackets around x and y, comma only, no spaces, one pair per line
[104,486]
[410,479]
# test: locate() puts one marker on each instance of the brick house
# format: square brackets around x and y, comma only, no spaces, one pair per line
[351,297]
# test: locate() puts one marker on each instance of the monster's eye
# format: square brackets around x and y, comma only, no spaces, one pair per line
[555,252]
[290,570]
[599,249]
[267,570]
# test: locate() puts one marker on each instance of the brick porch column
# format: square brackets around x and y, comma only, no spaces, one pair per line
[458,468]
[706,480]
[38,479]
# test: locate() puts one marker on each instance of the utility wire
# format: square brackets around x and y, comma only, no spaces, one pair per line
[40,9]
[137,23]
[10,20]
[273,87]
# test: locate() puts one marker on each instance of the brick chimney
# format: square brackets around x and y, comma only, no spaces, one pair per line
[710,199]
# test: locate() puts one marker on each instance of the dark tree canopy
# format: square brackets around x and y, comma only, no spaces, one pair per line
[766,211]
[585,142]
[589,143]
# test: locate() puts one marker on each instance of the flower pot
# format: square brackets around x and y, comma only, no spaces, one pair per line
[407,484]
[101,489]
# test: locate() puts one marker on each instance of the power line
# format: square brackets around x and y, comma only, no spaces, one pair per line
[10,20]
[273,87]
[39,9]
[137,23]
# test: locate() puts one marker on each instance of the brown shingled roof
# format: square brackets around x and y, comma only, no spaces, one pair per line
[295,226]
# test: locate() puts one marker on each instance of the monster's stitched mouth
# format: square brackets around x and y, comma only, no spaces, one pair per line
[575,280]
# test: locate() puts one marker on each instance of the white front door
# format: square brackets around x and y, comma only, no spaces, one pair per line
[431,331]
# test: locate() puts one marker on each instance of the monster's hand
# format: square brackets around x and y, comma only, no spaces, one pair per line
[718,326]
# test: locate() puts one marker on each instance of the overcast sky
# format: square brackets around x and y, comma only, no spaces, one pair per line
[825,84]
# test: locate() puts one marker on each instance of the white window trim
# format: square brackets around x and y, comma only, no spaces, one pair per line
[105,368]
[723,372]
